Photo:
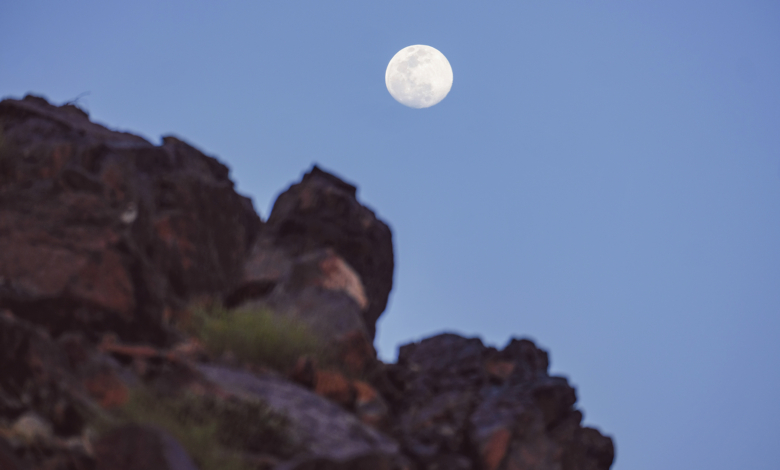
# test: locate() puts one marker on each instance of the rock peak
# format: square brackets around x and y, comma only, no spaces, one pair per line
[317,173]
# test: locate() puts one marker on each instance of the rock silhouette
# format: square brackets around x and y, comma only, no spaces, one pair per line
[109,245]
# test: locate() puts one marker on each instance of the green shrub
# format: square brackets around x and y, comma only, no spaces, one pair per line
[215,432]
[254,336]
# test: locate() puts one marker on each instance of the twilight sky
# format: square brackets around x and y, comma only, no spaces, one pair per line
[603,178]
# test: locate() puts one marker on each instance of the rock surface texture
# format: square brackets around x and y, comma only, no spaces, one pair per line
[107,242]
[102,230]
[464,405]
[322,212]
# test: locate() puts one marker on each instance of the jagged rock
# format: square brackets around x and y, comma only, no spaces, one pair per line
[499,408]
[335,387]
[101,230]
[326,434]
[322,211]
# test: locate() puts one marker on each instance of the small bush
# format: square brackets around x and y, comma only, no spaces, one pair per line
[255,336]
[214,432]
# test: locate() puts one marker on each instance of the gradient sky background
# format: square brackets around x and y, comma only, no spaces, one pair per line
[603,178]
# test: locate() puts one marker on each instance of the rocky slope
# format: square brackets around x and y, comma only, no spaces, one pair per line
[109,248]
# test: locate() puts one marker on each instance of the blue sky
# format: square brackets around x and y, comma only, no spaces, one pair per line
[603,178]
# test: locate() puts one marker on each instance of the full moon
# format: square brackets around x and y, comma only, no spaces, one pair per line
[418,76]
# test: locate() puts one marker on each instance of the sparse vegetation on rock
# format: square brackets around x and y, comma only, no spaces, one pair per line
[252,335]
[218,433]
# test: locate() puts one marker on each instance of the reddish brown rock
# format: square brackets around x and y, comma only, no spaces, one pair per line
[499,370]
[335,387]
[356,395]
[337,275]
[355,352]
[189,350]
[369,405]
[107,389]
[304,373]
[493,449]
[102,230]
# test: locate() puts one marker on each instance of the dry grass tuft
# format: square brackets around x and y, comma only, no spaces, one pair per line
[254,336]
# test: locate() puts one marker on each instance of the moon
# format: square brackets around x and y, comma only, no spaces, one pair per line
[418,76]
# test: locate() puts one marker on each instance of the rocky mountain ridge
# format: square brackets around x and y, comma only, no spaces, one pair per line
[111,249]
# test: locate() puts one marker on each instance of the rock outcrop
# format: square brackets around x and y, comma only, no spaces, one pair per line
[325,259]
[102,231]
[108,246]
[463,405]
[322,211]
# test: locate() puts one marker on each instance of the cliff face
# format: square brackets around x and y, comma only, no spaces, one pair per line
[111,249]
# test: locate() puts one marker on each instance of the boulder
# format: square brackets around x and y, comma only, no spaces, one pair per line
[102,231]
[327,436]
[322,212]
[326,260]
